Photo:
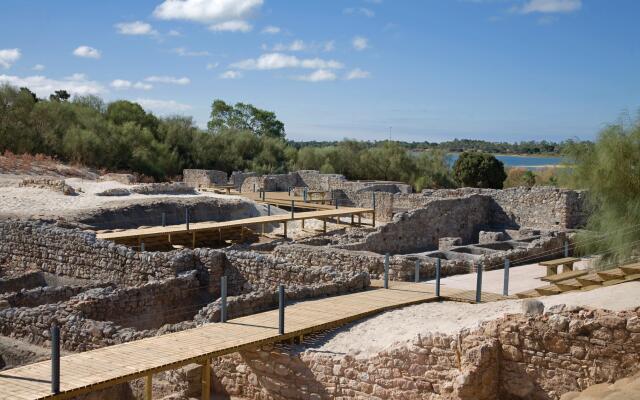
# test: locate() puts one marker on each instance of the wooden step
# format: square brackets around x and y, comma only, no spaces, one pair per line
[611,274]
[569,285]
[613,282]
[634,277]
[564,276]
[632,269]
[590,287]
[549,290]
[528,294]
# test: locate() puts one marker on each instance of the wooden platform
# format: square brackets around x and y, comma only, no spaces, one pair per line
[585,280]
[211,231]
[93,370]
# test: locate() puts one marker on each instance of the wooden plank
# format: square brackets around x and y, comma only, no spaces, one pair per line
[559,261]
[564,276]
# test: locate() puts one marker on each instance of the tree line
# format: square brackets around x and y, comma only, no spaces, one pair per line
[122,136]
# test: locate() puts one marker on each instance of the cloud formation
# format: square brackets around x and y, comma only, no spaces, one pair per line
[271,30]
[87,52]
[550,6]
[163,106]
[320,75]
[236,25]
[122,84]
[231,74]
[181,51]
[135,28]
[272,61]
[168,79]
[76,84]
[8,57]
[357,73]
[360,43]
[206,11]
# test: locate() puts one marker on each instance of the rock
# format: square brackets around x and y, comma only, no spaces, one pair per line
[532,307]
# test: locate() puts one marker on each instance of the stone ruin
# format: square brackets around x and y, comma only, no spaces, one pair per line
[103,294]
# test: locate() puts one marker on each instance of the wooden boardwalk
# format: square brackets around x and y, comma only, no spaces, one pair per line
[93,370]
[198,232]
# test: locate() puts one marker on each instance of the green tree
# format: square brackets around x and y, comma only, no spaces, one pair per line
[610,172]
[483,170]
[528,178]
[241,117]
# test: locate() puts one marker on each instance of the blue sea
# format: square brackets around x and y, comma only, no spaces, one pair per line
[529,162]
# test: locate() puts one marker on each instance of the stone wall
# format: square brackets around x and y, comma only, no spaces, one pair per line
[515,357]
[204,177]
[36,246]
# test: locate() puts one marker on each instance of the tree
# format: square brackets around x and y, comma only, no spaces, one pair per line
[244,117]
[609,170]
[60,95]
[483,170]
[123,111]
[528,178]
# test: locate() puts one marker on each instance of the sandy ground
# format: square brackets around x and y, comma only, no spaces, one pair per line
[393,328]
[45,203]
[623,389]
[521,278]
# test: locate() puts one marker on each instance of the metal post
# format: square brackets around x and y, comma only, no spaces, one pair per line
[337,204]
[164,219]
[289,190]
[254,187]
[304,195]
[186,217]
[386,271]
[479,284]
[55,359]
[281,309]
[223,298]
[142,246]
[268,209]
[505,287]
[438,266]
[566,248]
[417,277]
[293,205]
[373,201]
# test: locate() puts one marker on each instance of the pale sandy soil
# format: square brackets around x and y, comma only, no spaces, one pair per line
[394,328]
[623,389]
[37,202]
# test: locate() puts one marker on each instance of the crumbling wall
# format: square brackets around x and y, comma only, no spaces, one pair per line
[515,357]
[203,177]
[36,246]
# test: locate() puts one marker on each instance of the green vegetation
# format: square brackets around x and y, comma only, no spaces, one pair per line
[610,170]
[482,170]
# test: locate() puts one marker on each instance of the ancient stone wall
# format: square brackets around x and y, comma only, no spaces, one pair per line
[36,246]
[515,357]
[204,177]
[237,178]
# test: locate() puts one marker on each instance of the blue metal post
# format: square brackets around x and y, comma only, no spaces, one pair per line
[268,209]
[281,309]
[386,271]
[417,277]
[164,219]
[293,205]
[337,203]
[55,359]
[373,201]
[186,217]
[438,266]
[142,246]
[479,284]
[304,195]
[223,298]
[505,288]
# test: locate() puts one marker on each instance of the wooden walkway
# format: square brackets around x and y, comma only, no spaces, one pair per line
[93,370]
[203,232]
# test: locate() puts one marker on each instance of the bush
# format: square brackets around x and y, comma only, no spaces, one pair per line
[481,170]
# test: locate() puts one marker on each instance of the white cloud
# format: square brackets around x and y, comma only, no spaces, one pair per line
[122,84]
[9,56]
[231,74]
[550,6]
[87,52]
[235,25]
[168,79]
[77,84]
[206,10]
[271,61]
[360,43]
[359,11]
[174,32]
[135,28]
[211,66]
[321,75]
[38,67]
[296,45]
[329,46]
[357,74]
[181,51]
[163,106]
[271,30]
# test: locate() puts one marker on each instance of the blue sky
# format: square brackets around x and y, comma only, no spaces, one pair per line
[416,70]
